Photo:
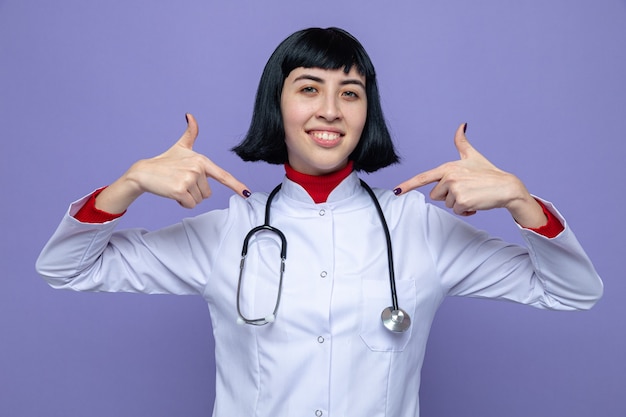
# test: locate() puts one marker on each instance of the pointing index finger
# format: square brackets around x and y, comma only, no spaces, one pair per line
[226,178]
[465,149]
[420,180]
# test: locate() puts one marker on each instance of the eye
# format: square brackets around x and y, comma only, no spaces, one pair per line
[309,90]
[350,94]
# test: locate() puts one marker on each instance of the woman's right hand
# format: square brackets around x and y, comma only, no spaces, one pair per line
[179,173]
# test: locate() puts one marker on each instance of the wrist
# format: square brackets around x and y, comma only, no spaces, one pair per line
[527,212]
[118,196]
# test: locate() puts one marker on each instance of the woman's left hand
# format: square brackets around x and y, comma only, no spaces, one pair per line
[473,183]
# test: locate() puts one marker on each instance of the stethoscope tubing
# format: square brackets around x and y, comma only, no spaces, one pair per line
[392,275]
[394,318]
[244,253]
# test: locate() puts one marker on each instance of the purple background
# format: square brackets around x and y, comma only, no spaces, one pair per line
[87,88]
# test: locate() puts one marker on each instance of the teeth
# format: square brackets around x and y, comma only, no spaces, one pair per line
[326,135]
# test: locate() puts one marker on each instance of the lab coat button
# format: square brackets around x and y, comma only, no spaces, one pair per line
[320,339]
[322,212]
[323,274]
[318,413]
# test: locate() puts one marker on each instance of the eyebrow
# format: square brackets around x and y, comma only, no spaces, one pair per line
[322,81]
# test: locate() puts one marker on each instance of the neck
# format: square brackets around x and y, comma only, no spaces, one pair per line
[319,187]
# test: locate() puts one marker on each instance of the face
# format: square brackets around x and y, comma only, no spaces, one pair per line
[323,112]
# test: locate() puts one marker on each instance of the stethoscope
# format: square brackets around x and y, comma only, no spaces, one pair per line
[393,317]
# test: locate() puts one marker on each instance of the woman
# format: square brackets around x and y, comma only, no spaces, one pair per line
[321,350]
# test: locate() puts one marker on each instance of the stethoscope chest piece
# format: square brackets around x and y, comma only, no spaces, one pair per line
[397,321]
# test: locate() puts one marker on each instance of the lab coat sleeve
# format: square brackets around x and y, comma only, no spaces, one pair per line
[92,257]
[552,273]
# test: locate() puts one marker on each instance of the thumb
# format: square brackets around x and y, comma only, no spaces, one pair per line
[189,137]
[462,144]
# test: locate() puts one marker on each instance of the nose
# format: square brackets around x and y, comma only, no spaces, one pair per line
[329,109]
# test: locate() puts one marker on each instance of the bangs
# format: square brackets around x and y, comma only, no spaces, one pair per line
[326,49]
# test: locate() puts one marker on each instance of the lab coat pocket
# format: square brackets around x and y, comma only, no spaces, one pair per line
[376,296]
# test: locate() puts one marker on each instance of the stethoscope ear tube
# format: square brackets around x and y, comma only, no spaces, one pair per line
[283,247]
[241,319]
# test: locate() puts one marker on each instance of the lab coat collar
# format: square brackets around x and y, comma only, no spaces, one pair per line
[349,187]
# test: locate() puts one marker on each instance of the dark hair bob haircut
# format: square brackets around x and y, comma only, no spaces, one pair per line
[330,48]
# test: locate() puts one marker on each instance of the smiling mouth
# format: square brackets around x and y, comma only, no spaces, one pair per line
[326,136]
